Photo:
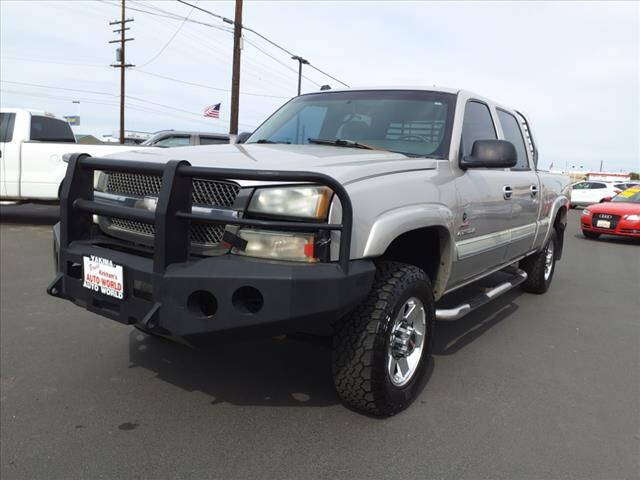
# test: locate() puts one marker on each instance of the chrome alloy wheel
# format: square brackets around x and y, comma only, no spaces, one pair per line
[548,260]
[406,342]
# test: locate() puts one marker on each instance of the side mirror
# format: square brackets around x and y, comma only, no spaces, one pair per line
[242,137]
[490,154]
[606,199]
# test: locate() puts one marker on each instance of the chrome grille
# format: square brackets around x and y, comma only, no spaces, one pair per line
[204,192]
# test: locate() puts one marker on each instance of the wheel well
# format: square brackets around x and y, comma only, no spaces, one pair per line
[560,224]
[426,248]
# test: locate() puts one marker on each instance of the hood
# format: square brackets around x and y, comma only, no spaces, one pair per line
[346,165]
[615,208]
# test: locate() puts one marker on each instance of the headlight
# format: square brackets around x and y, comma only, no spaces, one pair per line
[300,202]
[634,217]
[298,247]
[586,213]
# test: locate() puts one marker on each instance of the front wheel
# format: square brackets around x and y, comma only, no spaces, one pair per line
[382,349]
[540,266]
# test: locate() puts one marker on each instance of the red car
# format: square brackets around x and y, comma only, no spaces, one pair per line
[620,216]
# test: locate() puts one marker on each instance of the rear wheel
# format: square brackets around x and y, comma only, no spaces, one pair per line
[593,235]
[382,349]
[540,266]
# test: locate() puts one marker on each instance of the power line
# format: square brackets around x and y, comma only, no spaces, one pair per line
[280,62]
[200,39]
[170,39]
[173,16]
[206,86]
[59,88]
[198,42]
[19,59]
[112,104]
[169,16]
[96,92]
[227,20]
[224,19]
[327,75]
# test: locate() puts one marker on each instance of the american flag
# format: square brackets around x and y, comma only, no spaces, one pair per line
[212,111]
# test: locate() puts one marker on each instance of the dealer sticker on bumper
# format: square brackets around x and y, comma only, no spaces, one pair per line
[104,276]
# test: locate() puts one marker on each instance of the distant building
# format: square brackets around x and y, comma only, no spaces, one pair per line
[131,137]
[609,176]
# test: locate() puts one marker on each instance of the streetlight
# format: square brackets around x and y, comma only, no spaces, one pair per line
[301,61]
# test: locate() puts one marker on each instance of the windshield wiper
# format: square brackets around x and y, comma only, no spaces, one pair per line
[266,140]
[340,142]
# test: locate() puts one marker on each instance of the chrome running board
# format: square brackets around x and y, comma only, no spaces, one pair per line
[459,311]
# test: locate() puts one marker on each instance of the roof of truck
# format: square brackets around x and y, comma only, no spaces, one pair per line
[30,111]
[432,88]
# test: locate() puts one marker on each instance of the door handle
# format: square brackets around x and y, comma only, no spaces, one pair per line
[507,192]
[534,190]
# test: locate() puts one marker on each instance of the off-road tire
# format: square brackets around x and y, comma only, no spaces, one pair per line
[592,235]
[361,342]
[534,265]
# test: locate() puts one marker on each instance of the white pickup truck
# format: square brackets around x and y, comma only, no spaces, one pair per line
[32,144]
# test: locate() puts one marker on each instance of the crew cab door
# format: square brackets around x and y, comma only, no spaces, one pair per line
[482,223]
[40,156]
[9,156]
[525,188]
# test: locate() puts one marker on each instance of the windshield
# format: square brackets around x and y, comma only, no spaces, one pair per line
[416,123]
[631,195]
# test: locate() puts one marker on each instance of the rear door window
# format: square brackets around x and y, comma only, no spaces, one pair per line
[174,141]
[213,140]
[7,120]
[596,185]
[513,134]
[477,125]
[48,129]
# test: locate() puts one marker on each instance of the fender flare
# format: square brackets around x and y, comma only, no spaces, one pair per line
[394,223]
[561,201]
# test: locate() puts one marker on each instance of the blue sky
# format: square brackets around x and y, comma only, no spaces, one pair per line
[573,67]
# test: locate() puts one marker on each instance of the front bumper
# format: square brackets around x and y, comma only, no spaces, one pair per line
[249,293]
[171,292]
[623,228]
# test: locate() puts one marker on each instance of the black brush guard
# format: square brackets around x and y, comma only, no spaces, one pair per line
[289,291]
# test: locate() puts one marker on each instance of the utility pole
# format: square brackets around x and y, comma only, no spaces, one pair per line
[120,57]
[301,61]
[235,80]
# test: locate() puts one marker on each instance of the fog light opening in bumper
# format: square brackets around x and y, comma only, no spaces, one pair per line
[202,303]
[247,300]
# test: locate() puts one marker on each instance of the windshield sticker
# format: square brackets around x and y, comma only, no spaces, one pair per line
[629,193]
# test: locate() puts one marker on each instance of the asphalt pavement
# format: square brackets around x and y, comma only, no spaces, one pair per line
[527,387]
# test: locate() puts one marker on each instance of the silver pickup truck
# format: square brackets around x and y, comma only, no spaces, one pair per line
[353,213]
